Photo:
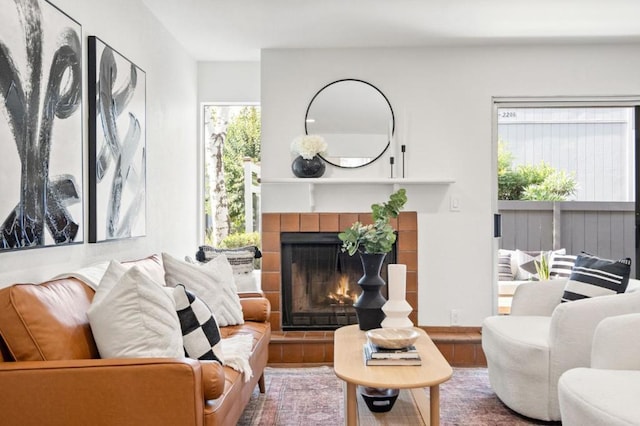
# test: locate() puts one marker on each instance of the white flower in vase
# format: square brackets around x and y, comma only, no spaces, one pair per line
[308,146]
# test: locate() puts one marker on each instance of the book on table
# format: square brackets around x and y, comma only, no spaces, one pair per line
[383,353]
[409,358]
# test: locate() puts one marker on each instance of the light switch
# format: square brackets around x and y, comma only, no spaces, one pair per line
[454,204]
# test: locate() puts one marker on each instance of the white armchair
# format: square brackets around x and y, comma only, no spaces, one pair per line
[608,392]
[528,350]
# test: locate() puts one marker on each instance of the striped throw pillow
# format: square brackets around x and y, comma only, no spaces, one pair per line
[592,276]
[505,273]
[560,265]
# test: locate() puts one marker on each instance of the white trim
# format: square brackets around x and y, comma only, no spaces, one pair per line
[566,101]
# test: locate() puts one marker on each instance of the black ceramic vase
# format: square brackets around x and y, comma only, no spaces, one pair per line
[369,304]
[304,168]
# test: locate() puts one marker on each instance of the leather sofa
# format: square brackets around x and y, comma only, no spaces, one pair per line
[51,372]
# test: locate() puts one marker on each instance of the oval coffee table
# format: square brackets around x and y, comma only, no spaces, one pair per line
[349,366]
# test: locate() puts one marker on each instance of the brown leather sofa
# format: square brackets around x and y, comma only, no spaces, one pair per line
[51,372]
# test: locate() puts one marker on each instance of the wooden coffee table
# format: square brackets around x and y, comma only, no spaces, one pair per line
[349,366]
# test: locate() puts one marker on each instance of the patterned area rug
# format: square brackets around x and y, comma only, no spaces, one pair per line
[314,396]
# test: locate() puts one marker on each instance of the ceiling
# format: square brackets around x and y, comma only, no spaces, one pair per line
[236,30]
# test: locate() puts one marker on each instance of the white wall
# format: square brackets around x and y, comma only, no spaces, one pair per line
[442,98]
[229,82]
[128,27]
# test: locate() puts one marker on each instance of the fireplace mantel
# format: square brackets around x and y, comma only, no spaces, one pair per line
[361,181]
[395,183]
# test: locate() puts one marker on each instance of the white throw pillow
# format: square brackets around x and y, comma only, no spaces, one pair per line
[131,316]
[212,281]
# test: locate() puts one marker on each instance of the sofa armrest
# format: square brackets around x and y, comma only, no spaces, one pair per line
[615,343]
[573,325]
[158,391]
[537,298]
[255,308]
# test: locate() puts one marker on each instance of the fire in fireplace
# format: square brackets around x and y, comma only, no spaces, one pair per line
[319,282]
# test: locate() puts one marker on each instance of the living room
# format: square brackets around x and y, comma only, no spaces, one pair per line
[443,100]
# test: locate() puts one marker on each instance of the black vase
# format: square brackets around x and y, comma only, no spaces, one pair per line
[369,304]
[304,168]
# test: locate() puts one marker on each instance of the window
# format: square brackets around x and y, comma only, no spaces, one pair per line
[231,173]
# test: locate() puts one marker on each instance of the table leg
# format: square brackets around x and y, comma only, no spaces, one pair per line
[434,397]
[351,405]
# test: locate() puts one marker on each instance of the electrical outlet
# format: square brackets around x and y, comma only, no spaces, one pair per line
[455,317]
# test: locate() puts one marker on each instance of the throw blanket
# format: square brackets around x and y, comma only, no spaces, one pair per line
[236,351]
[90,275]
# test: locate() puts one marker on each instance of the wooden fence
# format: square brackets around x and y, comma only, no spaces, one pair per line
[606,229]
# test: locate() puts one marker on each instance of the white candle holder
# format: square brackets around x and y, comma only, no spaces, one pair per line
[397,309]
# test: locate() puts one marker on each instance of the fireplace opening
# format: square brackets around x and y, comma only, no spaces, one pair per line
[319,281]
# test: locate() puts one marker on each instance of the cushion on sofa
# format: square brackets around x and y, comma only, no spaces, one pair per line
[47,321]
[560,265]
[592,276]
[151,265]
[590,396]
[212,281]
[200,333]
[242,261]
[505,270]
[132,316]
[526,261]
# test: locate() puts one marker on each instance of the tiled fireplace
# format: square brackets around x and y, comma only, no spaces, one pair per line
[316,346]
[275,224]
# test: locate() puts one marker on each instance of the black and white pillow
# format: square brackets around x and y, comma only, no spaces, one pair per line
[505,272]
[592,276]
[200,332]
[241,259]
[560,265]
[527,260]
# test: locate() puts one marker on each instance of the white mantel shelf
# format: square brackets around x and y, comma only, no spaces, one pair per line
[360,181]
[395,182]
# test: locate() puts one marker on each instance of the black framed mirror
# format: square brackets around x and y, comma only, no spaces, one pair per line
[356,120]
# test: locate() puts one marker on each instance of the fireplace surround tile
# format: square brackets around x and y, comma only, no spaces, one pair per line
[271,222]
[276,223]
[310,222]
[329,222]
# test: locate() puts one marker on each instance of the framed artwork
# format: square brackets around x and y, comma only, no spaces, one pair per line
[117,145]
[40,126]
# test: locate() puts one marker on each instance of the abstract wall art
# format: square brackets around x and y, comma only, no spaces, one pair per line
[117,145]
[40,126]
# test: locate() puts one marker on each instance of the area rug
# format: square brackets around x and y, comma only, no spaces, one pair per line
[314,396]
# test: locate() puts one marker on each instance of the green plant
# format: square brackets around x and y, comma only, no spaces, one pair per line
[241,239]
[542,267]
[540,182]
[379,236]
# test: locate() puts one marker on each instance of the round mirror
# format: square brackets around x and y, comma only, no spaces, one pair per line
[356,120]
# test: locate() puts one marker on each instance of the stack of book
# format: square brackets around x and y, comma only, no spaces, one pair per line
[375,355]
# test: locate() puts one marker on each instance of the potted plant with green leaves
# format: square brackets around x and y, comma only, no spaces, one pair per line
[372,242]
